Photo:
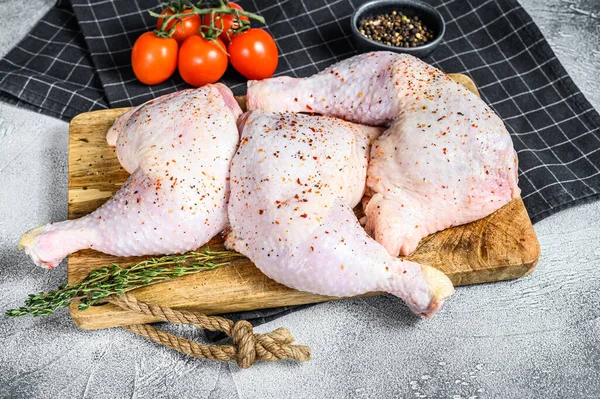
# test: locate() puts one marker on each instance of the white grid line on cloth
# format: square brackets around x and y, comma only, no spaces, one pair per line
[96,2]
[53,42]
[330,59]
[67,103]
[295,34]
[139,10]
[143,30]
[284,54]
[46,85]
[501,62]
[311,34]
[524,172]
[119,83]
[304,14]
[337,20]
[477,30]
[319,30]
[95,102]
[543,128]
[297,37]
[282,73]
[105,36]
[552,117]
[538,190]
[287,20]
[156,93]
[60,27]
[107,19]
[315,27]
[465,68]
[31,59]
[537,130]
[268,8]
[65,90]
[542,87]
[53,84]
[544,108]
[106,43]
[567,104]
[533,69]
[551,148]
[17,73]
[494,44]
[314,63]
[565,163]
[538,109]
[281,52]
[473,10]
[508,94]
[326,60]
[74,64]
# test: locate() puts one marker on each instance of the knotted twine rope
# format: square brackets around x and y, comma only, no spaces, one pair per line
[247,347]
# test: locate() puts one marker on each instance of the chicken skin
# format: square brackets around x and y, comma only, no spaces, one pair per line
[446,158]
[178,149]
[294,181]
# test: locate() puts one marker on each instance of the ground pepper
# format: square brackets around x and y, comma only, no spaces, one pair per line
[396,29]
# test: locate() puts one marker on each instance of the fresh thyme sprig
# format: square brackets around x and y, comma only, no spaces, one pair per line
[117,280]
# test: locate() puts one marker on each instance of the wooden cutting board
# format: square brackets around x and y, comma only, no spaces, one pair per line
[500,247]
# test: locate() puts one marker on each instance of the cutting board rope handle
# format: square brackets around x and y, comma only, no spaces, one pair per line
[246,349]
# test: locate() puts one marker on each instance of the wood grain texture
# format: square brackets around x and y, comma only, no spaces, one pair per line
[500,247]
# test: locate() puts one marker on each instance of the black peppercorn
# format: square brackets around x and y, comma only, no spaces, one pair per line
[396,29]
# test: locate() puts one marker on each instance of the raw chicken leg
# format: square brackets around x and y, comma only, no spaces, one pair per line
[445,160]
[178,149]
[294,182]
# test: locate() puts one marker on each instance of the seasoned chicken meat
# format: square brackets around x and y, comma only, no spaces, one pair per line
[294,181]
[445,159]
[178,149]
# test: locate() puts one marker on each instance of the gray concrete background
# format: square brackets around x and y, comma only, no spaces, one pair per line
[534,337]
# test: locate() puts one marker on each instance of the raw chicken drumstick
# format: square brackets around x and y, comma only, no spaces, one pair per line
[446,158]
[178,149]
[294,182]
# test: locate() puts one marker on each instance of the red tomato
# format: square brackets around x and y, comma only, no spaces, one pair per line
[254,54]
[153,58]
[224,22]
[185,26]
[202,61]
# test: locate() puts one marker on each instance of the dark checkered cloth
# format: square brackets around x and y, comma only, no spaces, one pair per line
[77,59]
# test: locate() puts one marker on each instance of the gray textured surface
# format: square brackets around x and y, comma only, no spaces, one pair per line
[534,337]
[17,18]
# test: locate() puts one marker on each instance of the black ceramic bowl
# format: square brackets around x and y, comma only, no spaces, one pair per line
[429,15]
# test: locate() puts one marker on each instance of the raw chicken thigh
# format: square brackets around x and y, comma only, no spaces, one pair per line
[294,181]
[178,149]
[446,158]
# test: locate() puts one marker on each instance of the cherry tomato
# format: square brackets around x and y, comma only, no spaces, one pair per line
[184,28]
[253,54]
[153,58]
[225,22]
[202,61]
